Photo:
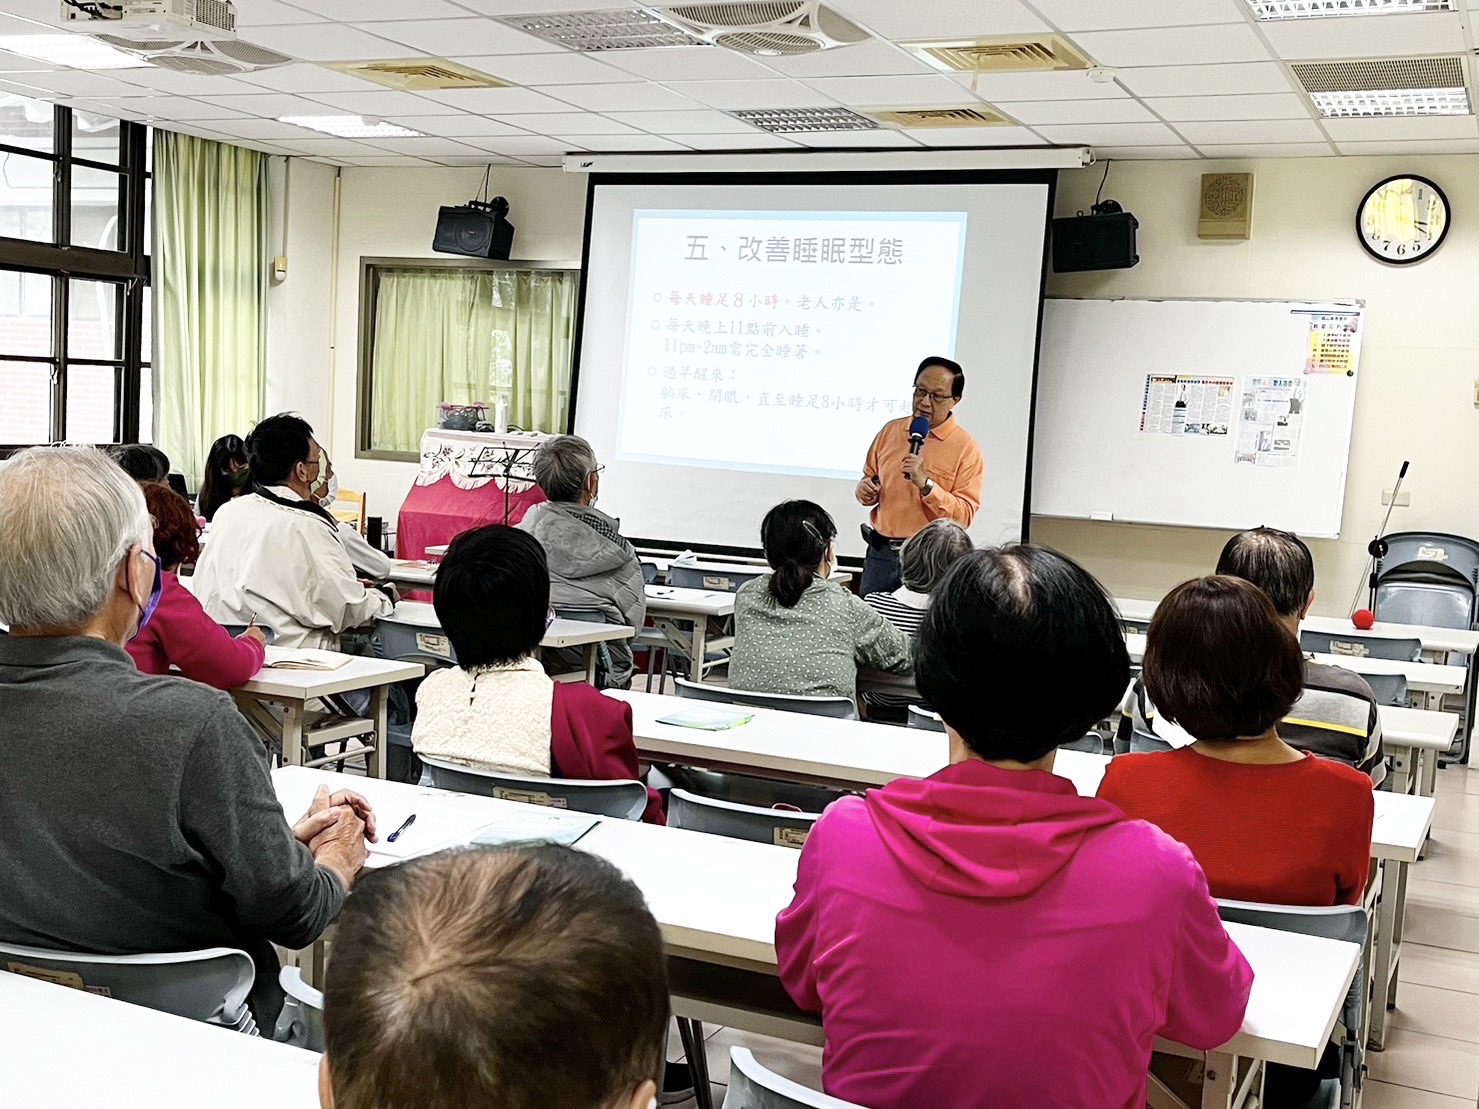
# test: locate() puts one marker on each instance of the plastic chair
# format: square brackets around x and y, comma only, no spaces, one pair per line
[1428,577]
[1390,689]
[349,508]
[301,1022]
[842,708]
[406,642]
[235,630]
[649,573]
[745,789]
[622,798]
[751,822]
[714,580]
[1341,922]
[753,1086]
[210,986]
[923,718]
[1361,646]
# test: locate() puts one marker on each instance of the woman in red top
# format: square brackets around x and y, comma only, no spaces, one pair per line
[1267,823]
[179,633]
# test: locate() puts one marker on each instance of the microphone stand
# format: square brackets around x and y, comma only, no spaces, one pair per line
[1378,548]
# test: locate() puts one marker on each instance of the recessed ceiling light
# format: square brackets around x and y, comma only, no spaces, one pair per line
[624,29]
[790,120]
[1393,102]
[351,127]
[73,51]
[1311,9]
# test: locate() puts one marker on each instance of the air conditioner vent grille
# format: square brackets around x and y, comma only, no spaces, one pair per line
[941,117]
[1380,73]
[738,14]
[1001,55]
[421,74]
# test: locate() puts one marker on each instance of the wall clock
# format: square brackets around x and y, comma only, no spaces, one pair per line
[1402,219]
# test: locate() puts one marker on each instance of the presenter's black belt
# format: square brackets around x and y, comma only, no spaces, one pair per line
[879,541]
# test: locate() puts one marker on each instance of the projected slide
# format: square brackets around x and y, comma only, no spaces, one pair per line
[747,330]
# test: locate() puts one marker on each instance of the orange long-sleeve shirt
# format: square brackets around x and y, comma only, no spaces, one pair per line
[954,464]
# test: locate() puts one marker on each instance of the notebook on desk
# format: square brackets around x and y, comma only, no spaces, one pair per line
[303,658]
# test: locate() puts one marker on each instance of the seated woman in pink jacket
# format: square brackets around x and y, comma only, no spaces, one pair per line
[179,633]
[986,937]
[498,709]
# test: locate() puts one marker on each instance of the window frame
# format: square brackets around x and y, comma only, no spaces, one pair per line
[369,289]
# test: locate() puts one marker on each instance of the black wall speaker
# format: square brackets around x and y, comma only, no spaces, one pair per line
[478,230]
[1104,242]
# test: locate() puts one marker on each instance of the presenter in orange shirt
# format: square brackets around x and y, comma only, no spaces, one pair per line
[907,488]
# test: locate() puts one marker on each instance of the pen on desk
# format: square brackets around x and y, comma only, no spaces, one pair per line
[252,623]
[409,821]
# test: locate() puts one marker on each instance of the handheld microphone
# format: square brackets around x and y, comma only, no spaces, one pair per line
[1377,550]
[919,427]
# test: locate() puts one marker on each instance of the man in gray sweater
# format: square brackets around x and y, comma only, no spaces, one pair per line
[136,812]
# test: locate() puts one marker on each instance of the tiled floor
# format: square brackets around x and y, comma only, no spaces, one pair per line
[1432,1055]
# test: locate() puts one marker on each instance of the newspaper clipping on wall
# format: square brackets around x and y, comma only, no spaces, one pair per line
[1272,421]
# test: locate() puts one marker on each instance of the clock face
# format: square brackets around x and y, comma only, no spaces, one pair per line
[1402,220]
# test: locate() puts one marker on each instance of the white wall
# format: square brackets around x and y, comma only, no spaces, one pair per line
[300,332]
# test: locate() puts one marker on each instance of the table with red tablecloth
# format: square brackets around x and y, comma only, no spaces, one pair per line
[467,479]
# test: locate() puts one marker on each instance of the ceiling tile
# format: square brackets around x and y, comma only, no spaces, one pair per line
[383,102]
[938,137]
[683,123]
[479,160]
[77,82]
[546,69]
[1233,42]
[1388,36]
[261,13]
[1268,150]
[499,102]
[1397,128]
[269,105]
[755,140]
[999,88]
[1422,146]
[633,96]
[753,94]
[863,59]
[909,92]
[259,129]
[19,63]
[518,145]
[364,11]
[1033,112]
[941,18]
[328,145]
[425,146]
[183,108]
[167,81]
[455,126]
[326,42]
[613,144]
[463,37]
[1110,134]
[1274,105]
[549,162]
[385,161]
[561,124]
[1236,132]
[303,78]
[1142,153]
[504,7]
[865,140]
[688,63]
[1205,80]
[1111,15]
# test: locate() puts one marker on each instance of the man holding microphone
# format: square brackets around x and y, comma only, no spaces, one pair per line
[919,468]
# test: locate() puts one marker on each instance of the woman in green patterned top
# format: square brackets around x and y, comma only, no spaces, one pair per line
[797,632]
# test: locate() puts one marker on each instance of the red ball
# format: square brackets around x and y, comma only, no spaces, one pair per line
[1363,618]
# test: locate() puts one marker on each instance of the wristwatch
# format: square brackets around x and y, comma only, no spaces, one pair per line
[929,487]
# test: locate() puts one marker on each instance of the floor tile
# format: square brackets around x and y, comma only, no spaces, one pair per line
[1436,1011]
[1383,1095]
[1433,1063]
[1438,966]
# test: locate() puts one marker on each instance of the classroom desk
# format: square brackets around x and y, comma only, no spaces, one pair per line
[62,1048]
[1414,739]
[413,571]
[686,619]
[561,634]
[716,900]
[1398,833]
[298,728]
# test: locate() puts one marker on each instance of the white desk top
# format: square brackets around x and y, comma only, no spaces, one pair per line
[1422,677]
[715,896]
[672,600]
[62,1048]
[437,550]
[561,633]
[1404,727]
[413,571]
[1401,825]
[360,672]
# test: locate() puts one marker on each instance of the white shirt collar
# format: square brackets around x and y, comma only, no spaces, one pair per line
[907,596]
[287,493]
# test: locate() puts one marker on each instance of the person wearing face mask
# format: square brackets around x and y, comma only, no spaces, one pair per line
[590,564]
[371,563]
[226,476]
[797,632]
[275,554]
[136,812]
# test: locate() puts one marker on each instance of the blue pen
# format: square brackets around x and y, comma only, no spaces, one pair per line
[409,821]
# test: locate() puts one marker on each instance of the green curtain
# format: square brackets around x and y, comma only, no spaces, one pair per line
[469,335]
[210,294]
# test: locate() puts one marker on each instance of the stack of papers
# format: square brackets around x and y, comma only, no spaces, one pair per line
[538,826]
[304,658]
[709,718]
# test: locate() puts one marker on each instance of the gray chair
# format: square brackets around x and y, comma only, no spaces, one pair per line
[745,789]
[649,573]
[1390,689]
[1361,646]
[922,718]
[753,1086]
[404,641]
[625,799]
[712,579]
[1428,578]
[301,1022]
[210,986]
[726,818]
[1340,922]
[235,630]
[843,708]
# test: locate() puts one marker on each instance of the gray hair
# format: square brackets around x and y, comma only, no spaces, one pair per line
[69,516]
[929,552]
[562,465]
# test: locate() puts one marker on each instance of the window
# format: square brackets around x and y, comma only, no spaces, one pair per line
[466,332]
[74,276]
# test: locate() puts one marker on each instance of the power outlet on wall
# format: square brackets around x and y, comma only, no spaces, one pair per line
[1404,498]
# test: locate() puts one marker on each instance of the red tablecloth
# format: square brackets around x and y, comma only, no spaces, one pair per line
[432,515]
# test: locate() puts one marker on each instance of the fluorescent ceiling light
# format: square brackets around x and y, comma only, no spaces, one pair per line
[1393,102]
[351,127]
[1310,9]
[72,51]
[783,121]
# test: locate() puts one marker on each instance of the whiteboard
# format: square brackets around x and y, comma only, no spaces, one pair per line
[1197,413]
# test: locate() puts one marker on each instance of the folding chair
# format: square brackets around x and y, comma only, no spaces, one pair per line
[714,579]
[301,1022]
[751,822]
[625,799]
[1361,646]
[844,708]
[1390,689]
[923,718]
[752,1086]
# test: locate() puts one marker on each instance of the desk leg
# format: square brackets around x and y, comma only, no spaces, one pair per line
[380,710]
[1228,1084]
[698,648]
[292,733]
[1388,936]
[1427,782]
[589,651]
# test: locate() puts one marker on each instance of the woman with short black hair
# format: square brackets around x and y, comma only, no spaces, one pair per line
[796,631]
[993,870]
[498,709]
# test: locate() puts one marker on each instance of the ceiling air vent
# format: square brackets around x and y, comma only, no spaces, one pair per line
[768,28]
[211,58]
[1315,9]
[589,32]
[1007,54]
[940,117]
[1386,86]
[420,75]
[783,121]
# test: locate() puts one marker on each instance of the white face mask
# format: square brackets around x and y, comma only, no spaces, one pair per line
[329,492]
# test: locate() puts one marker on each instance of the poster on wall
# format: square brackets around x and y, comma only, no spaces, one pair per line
[1272,421]
[1334,340]
[1186,405]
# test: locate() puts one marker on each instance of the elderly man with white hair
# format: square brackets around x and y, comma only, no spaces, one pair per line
[136,813]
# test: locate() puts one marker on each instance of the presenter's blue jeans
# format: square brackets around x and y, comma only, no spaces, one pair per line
[880,571]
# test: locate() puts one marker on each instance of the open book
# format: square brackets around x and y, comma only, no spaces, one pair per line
[304,658]
[708,718]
